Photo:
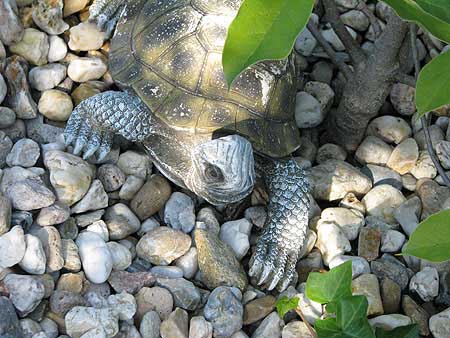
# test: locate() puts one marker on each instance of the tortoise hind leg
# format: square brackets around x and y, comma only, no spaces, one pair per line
[106,13]
[273,263]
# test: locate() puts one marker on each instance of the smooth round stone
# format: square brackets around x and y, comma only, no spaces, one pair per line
[47,77]
[295,329]
[390,129]
[70,254]
[176,325]
[80,320]
[425,283]
[404,157]
[5,148]
[30,327]
[424,167]
[33,47]
[86,36]
[258,309]
[5,214]
[382,175]
[408,213]
[367,285]
[200,328]
[3,88]
[356,20]
[322,92]
[390,322]
[440,324]
[224,311]
[121,221]
[51,241]
[179,212]
[391,295]
[331,241]
[121,256]
[330,151]
[162,245]
[402,98]
[95,257]
[134,163]
[185,294]
[359,264]
[34,260]
[350,221]
[236,235]
[151,197]
[153,299]
[188,263]
[270,327]
[84,91]
[12,247]
[50,327]
[24,153]
[25,292]
[100,228]
[85,69]
[7,117]
[305,43]
[111,177]
[148,225]
[11,28]
[391,268]
[382,200]
[123,304]
[308,113]
[57,49]
[95,198]
[373,150]
[150,325]
[167,272]
[55,105]
[130,187]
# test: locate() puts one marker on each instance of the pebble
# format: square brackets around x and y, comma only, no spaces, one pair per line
[382,175]
[199,328]
[84,69]
[100,228]
[373,150]
[148,225]
[34,260]
[124,281]
[134,163]
[7,117]
[390,129]
[381,202]
[356,20]
[256,215]
[50,327]
[33,47]
[69,249]
[359,264]
[258,309]
[408,214]
[295,329]
[57,49]
[3,88]
[350,221]
[442,152]
[392,241]
[330,151]
[150,325]
[153,299]
[176,326]
[397,272]
[270,327]
[85,37]
[70,176]
[367,285]
[5,148]
[331,241]
[369,243]
[121,256]
[424,167]
[236,235]
[167,272]
[402,98]
[5,215]
[188,263]
[12,247]
[417,314]
[130,187]
[47,15]
[123,304]
[29,327]
[162,245]
[185,294]
[94,199]
[224,311]
[308,113]
[52,244]
[433,197]
[151,197]
[217,263]
[436,136]
[390,322]
[80,320]
[95,257]
[25,292]
[404,157]
[333,179]
[24,153]
[11,29]
[425,283]
[54,214]
[391,295]
[330,36]
[55,105]
[74,6]
[68,229]
[47,76]
[9,325]
[322,71]
[111,177]
[305,43]
[179,212]
[440,324]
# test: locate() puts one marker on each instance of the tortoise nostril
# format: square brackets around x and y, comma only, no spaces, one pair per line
[213,173]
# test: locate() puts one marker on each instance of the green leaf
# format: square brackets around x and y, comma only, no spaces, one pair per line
[409,331]
[285,304]
[411,11]
[431,239]
[439,8]
[433,84]
[330,286]
[327,328]
[263,30]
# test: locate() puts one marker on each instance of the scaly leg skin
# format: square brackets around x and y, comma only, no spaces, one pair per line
[96,120]
[273,263]
[106,13]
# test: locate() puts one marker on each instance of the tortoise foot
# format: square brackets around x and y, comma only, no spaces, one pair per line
[106,13]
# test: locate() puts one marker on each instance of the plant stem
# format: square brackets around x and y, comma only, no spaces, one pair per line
[302,316]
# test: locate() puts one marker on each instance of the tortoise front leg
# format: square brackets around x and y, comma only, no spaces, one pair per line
[273,263]
[96,120]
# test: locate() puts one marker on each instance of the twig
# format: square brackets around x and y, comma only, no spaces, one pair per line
[332,15]
[423,119]
[302,316]
[362,6]
[330,51]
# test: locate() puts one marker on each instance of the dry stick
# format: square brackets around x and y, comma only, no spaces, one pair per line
[302,316]
[345,69]
[423,119]
[332,15]
[362,6]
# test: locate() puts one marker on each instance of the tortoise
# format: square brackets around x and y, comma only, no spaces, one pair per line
[165,56]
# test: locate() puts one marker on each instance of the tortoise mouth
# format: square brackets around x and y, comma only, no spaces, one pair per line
[223,170]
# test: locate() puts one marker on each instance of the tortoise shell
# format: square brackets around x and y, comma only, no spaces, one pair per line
[170,53]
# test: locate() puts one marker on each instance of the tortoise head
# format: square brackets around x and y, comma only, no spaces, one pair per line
[223,170]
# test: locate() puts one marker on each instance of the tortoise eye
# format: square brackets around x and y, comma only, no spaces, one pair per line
[213,173]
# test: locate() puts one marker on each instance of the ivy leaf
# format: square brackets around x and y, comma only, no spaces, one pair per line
[438,8]
[285,304]
[412,11]
[409,331]
[433,89]
[330,286]
[327,328]
[263,30]
[431,239]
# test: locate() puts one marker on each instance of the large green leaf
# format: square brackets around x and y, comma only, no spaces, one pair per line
[438,8]
[330,286]
[411,11]
[431,239]
[409,331]
[263,30]
[433,84]
[286,304]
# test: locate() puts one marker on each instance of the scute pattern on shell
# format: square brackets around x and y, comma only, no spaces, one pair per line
[170,53]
